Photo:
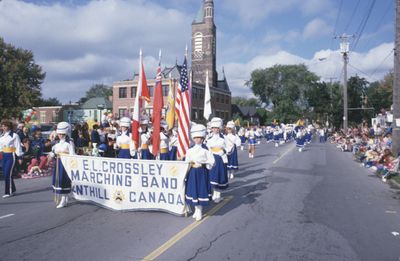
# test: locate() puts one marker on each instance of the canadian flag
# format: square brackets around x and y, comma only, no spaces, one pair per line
[142,93]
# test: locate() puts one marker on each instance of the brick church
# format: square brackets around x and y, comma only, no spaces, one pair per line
[203,58]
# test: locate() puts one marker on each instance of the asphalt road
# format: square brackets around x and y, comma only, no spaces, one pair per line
[282,205]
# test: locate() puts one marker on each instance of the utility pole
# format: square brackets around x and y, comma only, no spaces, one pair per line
[344,50]
[396,86]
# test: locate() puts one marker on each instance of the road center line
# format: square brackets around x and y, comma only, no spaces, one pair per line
[280,157]
[6,216]
[156,253]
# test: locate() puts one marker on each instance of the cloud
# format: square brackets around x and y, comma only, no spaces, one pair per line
[316,27]
[327,64]
[99,40]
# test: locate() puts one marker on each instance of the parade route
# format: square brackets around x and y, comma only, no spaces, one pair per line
[282,205]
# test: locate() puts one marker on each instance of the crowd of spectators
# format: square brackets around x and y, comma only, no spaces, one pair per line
[371,147]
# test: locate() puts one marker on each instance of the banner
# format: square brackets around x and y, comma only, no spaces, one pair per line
[126,184]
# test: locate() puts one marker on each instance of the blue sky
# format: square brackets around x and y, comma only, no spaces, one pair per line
[79,42]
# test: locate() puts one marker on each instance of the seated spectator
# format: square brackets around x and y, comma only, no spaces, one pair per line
[39,158]
[27,157]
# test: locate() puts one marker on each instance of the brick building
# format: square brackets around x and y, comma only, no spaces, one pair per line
[203,58]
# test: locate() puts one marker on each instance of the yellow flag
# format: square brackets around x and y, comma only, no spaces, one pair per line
[237,122]
[171,105]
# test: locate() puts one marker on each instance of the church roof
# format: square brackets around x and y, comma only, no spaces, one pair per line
[200,15]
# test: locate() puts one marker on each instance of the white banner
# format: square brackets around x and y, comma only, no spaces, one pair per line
[126,184]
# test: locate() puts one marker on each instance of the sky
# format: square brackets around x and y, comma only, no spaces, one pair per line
[80,43]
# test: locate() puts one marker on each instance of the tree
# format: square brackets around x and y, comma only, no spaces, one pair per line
[242,101]
[20,80]
[379,94]
[48,102]
[97,90]
[357,88]
[283,86]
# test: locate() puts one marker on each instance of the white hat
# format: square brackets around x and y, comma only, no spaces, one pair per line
[62,128]
[125,122]
[216,123]
[230,124]
[144,120]
[164,125]
[198,130]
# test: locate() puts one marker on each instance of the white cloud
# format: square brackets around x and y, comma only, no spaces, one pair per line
[324,63]
[94,42]
[316,27]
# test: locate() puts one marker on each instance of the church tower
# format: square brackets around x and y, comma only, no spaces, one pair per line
[204,45]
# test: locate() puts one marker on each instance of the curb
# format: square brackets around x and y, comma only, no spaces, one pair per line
[391,182]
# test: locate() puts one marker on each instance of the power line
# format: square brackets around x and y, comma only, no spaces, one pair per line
[363,24]
[387,56]
[352,15]
[366,74]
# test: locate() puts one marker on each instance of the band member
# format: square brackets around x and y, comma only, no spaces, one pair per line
[145,139]
[242,137]
[300,140]
[251,137]
[217,145]
[10,145]
[198,187]
[232,142]
[61,181]
[173,144]
[164,140]
[277,136]
[124,140]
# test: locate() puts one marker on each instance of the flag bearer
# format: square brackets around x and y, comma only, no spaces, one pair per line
[145,139]
[233,142]
[217,145]
[124,140]
[164,141]
[198,187]
[300,140]
[276,136]
[61,181]
[10,145]
[173,144]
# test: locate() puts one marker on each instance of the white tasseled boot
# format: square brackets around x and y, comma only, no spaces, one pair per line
[241,148]
[199,210]
[214,195]
[196,212]
[218,197]
[63,201]
[276,144]
[300,149]
[231,176]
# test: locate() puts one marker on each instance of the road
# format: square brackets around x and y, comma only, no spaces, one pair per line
[282,205]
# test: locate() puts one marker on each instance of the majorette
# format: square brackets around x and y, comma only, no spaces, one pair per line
[198,187]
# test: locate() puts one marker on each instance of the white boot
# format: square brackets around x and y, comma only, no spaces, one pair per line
[276,144]
[218,197]
[231,176]
[199,210]
[300,149]
[249,155]
[215,195]
[63,202]
[241,148]
[196,212]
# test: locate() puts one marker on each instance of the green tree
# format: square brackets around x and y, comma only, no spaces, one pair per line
[242,101]
[48,102]
[283,86]
[20,80]
[97,90]
[380,94]
[356,90]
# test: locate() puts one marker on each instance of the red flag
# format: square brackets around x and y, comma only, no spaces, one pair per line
[158,104]
[142,93]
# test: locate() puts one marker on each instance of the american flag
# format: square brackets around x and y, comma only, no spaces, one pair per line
[183,111]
